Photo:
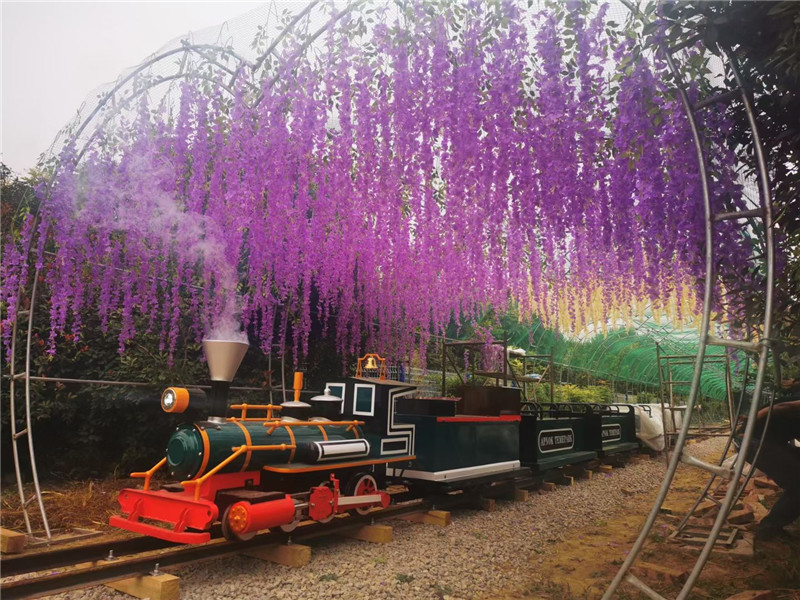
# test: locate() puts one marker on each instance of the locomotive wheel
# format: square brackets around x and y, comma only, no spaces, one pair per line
[326,483]
[290,527]
[362,484]
[232,535]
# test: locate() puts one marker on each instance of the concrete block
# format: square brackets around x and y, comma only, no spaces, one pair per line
[706,507]
[765,483]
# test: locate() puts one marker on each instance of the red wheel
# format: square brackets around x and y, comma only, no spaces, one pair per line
[362,484]
[330,517]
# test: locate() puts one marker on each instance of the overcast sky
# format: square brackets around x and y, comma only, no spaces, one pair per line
[55,53]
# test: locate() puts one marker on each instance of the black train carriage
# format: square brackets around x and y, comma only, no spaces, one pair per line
[557,435]
[614,428]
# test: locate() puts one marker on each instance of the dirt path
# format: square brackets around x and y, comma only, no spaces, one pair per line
[582,566]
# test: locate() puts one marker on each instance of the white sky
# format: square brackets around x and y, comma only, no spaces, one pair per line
[55,53]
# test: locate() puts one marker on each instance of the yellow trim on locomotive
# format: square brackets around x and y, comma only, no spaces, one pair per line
[206,450]
[248,440]
[294,443]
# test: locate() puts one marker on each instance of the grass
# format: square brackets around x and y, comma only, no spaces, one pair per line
[442,590]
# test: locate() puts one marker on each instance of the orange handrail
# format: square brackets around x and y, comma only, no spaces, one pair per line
[275,424]
[268,407]
[149,473]
[236,452]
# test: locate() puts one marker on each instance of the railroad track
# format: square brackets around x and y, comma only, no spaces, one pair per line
[43,573]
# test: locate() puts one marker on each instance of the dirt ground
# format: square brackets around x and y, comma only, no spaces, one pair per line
[83,504]
[579,568]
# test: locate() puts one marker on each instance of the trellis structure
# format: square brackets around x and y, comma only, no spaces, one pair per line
[215,59]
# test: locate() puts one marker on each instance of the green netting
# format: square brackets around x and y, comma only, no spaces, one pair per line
[628,358]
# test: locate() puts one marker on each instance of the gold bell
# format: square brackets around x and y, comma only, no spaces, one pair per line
[371,363]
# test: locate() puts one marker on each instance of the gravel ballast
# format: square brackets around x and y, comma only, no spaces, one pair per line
[479,553]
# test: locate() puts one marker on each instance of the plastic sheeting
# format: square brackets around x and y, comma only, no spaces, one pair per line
[650,423]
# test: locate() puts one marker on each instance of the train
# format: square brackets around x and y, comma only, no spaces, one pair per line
[252,467]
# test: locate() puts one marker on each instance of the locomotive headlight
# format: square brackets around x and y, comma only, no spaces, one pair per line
[175,400]
[168,401]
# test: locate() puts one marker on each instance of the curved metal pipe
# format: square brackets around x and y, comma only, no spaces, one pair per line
[766,202]
[701,349]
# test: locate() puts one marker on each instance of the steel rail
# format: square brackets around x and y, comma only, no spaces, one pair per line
[103,571]
[30,562]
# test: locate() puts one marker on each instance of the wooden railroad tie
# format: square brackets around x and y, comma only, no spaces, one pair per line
[605,468]
[567,480]
[377,534]
[521,495]
[288,555]
[155,587]
[487,504]
[548,486]
[439,518]
[11,542]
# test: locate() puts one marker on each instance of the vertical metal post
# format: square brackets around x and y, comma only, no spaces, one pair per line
[283,351]
[506,359]
[444,361]
[661,395]
[671,385]
[729,390]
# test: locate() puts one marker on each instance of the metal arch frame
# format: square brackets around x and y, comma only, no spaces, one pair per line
[593,366]
[598,364]
[762,347]
[187,49]
[630,355]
